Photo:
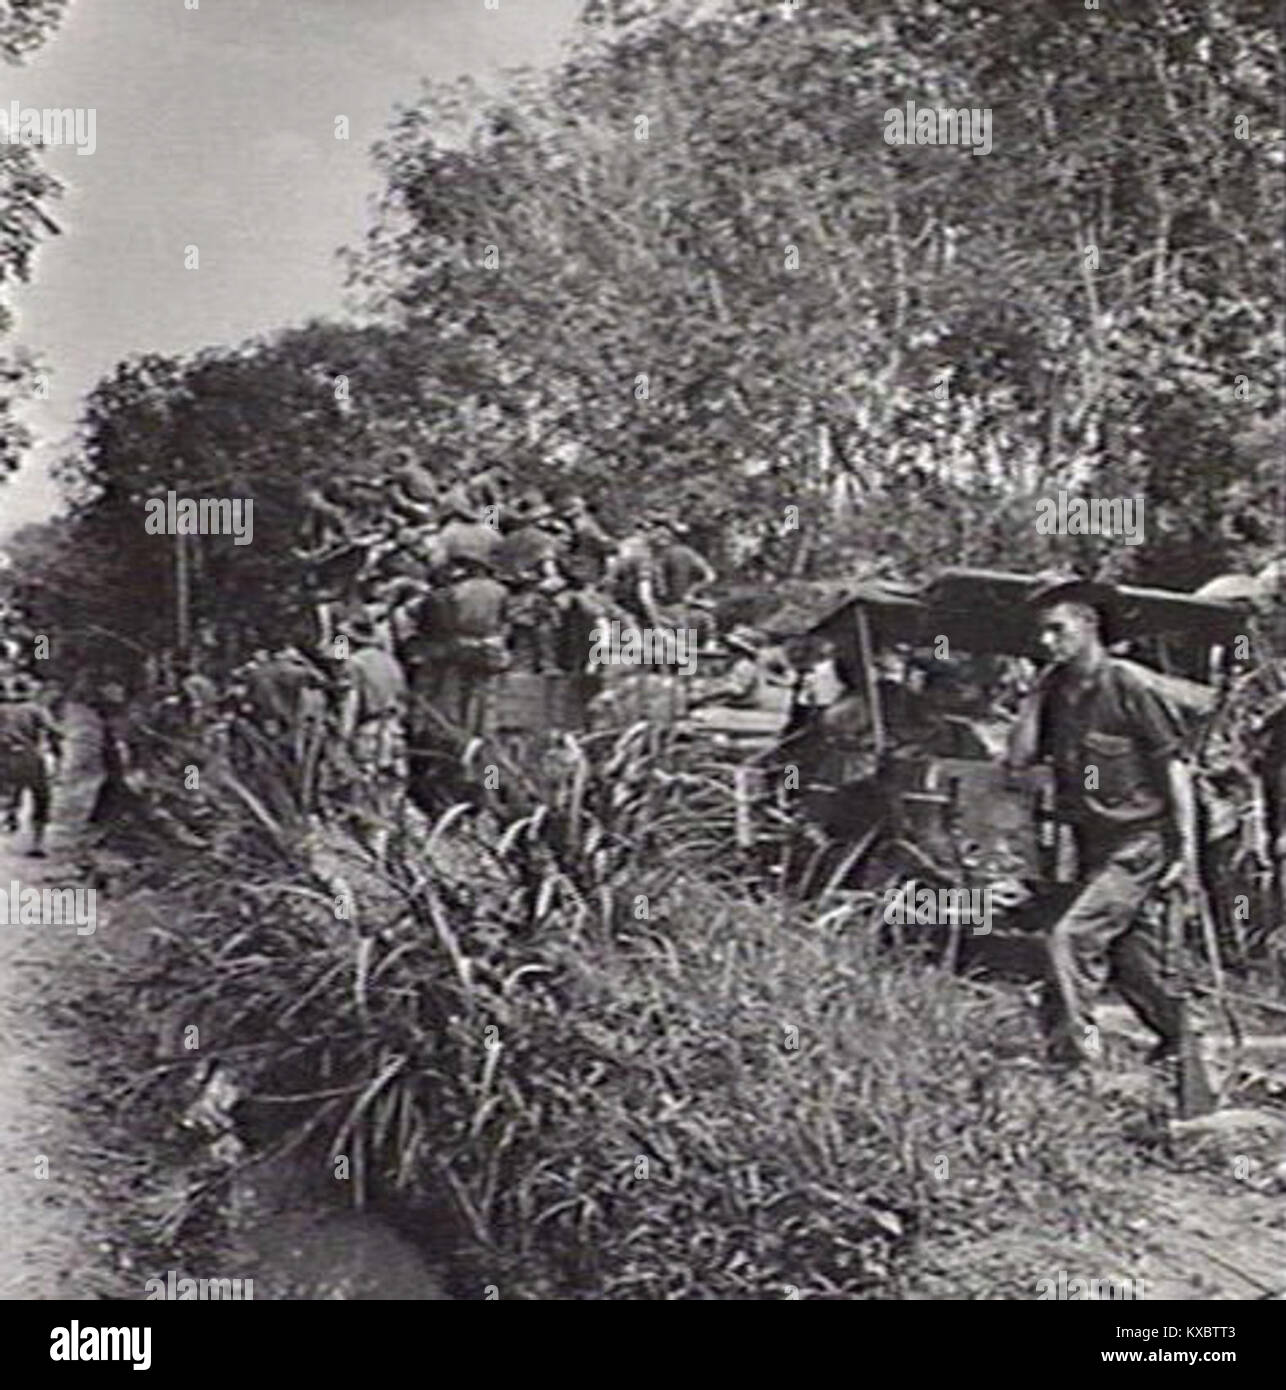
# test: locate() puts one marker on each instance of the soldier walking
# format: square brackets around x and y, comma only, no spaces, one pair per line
[373,730]
[1123,787]
[528,562]
[26,730]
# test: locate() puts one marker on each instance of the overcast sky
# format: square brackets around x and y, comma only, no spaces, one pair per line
[215,127]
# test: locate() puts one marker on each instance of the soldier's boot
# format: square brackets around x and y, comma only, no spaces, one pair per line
[37,849]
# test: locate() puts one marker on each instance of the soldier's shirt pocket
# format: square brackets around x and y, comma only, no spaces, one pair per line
[1114,758]
[1108,745]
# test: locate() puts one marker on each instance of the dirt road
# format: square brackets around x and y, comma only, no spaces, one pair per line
[47,1236]
[53,1238]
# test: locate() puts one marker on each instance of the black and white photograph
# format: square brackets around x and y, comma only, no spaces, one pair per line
[642,659]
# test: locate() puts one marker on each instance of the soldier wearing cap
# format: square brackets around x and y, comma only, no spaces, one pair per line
[739,686]
[459,641]
[528,561]
[372,718]
[463,536]
[1124,789]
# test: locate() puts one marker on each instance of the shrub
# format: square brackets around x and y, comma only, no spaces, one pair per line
[626,1079]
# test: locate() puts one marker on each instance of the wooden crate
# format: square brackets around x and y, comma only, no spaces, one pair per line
[636,693]
[526,702]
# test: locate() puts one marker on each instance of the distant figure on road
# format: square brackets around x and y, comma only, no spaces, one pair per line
[115,800]
[373,731]
[26,730]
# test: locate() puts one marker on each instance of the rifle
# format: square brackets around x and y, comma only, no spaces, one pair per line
[1210,935]
[1195,1096]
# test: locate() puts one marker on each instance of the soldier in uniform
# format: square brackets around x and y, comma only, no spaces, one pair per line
[1123,787]
[459,642]
[590,545]
[412,491]
[114,800]
[582,607]
[1272,770]
[372,727]
[26,732]
[527,560]
[462,536]
[326,518]
[277,684]
[681,575]
[740,685]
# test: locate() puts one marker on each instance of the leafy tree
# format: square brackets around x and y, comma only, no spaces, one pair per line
[25,190]
[687,270]
[709,203]
[26,24]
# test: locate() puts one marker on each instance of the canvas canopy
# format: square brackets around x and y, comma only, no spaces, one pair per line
[986,612]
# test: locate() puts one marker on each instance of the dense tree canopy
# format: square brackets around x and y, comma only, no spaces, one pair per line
[687,270]
[25,191]
[26,24]
[712,206]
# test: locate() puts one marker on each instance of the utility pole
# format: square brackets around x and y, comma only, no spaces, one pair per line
[182,585]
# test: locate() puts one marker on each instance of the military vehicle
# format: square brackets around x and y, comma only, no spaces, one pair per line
[902,779]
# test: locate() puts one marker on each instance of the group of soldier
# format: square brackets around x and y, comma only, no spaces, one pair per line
[425,588]
[483,576]
[422,589]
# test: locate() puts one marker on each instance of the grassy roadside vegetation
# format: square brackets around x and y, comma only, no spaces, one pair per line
[591,1067]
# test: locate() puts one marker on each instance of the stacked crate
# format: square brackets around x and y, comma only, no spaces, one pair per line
[521,702]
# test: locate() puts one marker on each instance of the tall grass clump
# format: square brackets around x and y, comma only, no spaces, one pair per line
[622,1077]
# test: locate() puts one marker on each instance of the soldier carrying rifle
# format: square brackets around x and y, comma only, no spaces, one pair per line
[1125,790]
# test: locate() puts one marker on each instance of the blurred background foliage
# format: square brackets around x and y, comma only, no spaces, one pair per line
[911,344]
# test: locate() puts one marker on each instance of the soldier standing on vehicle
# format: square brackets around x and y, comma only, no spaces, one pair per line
[682,574]
[26,730]
[527,560]
[631,577]
[1123,787]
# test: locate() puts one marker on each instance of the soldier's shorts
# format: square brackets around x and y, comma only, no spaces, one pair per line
[20,769]
[1099,939]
